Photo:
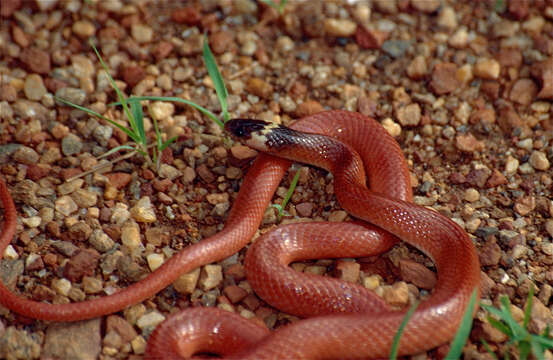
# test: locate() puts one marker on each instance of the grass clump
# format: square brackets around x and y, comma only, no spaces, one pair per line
[280,207]
[458,342]
[278,6]
[133,110]
[521,341]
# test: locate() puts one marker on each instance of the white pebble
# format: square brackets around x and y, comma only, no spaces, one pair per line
[539,160]
[393,128]
[471,195]
[154,261]
[62,286]
[10,253]
[150,320]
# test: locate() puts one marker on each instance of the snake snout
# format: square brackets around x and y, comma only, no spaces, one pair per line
[242,129]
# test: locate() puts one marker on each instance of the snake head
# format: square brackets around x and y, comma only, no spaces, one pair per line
[243,129]
[250,132]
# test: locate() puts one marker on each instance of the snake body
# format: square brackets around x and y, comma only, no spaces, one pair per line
[348,321]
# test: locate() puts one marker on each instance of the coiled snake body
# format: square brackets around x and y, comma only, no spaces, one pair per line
[345,320]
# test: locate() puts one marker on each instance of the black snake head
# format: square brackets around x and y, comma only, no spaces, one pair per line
[262,135]
[243,129]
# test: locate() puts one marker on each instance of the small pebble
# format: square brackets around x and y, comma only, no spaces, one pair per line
[524,205]
[162,110]
[337,216]
[417,274]
[444,78]
[339,27]
[120,214]
[547,248]
[539,160]
[186,283]
[65,205]
[523,92]
[85,198]
[519,251]
[305,209]
[34,87]
[285,44]
[447,18]
[73,95]
[459,39]
[471,195]
[427,6]
[487,69]
[348,270]
[71,145]
[154,261]
[169,172]
[242,152]
[143,211]
[468,143]
[101,241]
[83,28]
[150,320]
[10,253]
[259,87]
[139,345]
[92,285]
[142,33]
[61,286]
[511,165]
[37,60]
[417,68]
[371,282]
[397,294]
[211,276]
[362,12]
[549,227]
[20,344]
[130,235]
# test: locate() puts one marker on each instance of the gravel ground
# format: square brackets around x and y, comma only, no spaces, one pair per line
[465,87]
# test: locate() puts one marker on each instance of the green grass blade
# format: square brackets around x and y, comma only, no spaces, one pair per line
[203,110]
[156,129]
[87,110]
[492,310]
[279,208]
[489,349]
[528,309]
[167,143]
[279,7]
[399,333]
[524,349]
[216,77]
[116,149]
[120,95]
[464,330]
[271,3]
[500,326]
[546,333]
[289,192]
[98,115]
[518,332]
[138,115]
[537,350]
[547,343]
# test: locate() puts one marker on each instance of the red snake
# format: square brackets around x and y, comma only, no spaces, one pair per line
[350,321]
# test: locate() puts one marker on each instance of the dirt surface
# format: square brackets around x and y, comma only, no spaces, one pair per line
[465,87]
